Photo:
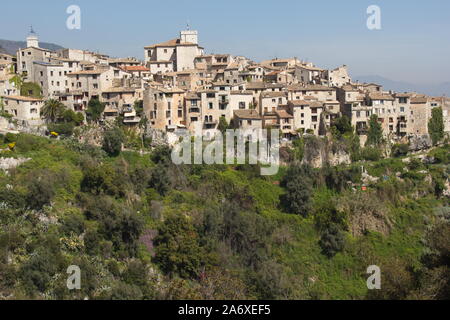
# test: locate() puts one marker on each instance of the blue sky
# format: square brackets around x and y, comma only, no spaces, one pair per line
[413,45]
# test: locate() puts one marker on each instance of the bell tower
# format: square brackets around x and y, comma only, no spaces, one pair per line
[188,35]
[32,39]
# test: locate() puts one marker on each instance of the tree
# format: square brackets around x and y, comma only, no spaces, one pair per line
[160,179]
[112,142]
[298,185]
[76,118]
[177,248]
[52,110]
[95,110]
[375,133]
[342,125]
[223,124]
[332,240]
[436,125]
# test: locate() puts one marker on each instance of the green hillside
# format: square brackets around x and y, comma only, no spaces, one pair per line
[140,227]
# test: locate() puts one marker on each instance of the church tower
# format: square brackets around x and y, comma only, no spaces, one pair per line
[189,36]
[32,39]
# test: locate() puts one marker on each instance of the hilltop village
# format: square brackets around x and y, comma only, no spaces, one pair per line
[179,87]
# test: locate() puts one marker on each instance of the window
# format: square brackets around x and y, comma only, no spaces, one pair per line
[210,105]
[249,122]
[241,105]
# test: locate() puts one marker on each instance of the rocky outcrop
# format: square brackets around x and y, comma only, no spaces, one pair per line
[11,163]
[320,152]
[420,142]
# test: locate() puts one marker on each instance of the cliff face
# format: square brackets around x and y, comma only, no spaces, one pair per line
[321,152]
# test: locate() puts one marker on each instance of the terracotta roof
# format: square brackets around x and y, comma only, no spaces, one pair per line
[160,61]
[135,68]
[237,92]
[284,114]
[419,100]
[380,96]
[170,43]
[316,87]
[403,95]
[256,85]
[118,90]
[273,94]
[247,114]
[86,72]
[299,102]
[192,96]
[22,98]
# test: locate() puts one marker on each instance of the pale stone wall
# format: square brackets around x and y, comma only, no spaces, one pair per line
[23,110]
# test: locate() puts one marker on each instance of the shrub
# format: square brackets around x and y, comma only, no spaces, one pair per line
[370,154]
[27,143]
[332,240]
[65,129]
[112,142]
[400,150]
[41,187]
[10,137]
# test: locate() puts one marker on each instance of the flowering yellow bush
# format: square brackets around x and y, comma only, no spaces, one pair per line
[12,145]
[54,134]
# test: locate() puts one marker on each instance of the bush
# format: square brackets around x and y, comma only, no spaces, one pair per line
[370,154]
[27,143]
[41,187]
[441,155]
[65,129]
[10,137]
[400,150]
[112,142]
[332,240]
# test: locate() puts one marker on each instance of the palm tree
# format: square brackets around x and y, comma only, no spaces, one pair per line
[52,110]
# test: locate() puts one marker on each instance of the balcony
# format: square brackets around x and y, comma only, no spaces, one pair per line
[194,110]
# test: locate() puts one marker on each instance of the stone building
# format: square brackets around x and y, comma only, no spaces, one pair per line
[25,109]
[174,55]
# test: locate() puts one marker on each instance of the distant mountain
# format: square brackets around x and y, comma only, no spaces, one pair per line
[438,89]
[11,47]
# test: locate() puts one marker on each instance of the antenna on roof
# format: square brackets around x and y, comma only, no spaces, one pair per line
[31,30]
[188,27]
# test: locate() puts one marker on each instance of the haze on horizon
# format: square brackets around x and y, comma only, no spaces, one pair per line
[413,44]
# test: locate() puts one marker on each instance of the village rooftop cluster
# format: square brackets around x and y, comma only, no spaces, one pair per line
[182,88]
